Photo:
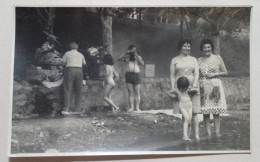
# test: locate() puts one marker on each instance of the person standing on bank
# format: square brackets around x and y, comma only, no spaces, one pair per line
[73,76]
[132,76]
[187,66]
[213,99]
[109,81]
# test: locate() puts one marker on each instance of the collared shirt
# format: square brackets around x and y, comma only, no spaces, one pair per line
[73,58]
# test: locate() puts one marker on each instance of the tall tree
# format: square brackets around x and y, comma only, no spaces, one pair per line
[106,19]
[105,15]
[47,18]
[139,10]
[218,18]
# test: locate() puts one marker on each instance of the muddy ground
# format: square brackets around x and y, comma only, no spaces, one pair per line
[104,131]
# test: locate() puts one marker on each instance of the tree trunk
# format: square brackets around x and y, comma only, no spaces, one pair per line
[140,17]
[181,24]
[188,27]
[216,40]
[167,17]
[216,37]
[51,20]
[133,14]
[107,33]
[155,19]
[181,29]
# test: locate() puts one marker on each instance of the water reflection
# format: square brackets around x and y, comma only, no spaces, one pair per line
[222,143]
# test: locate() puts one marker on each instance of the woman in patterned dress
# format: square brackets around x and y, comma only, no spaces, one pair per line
[213,100]
[186,65]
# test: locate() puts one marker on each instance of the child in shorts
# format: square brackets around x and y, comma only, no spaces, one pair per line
[185,104]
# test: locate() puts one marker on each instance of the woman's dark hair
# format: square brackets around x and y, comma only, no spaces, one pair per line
[182,42]
[183,83]
[206,41]
[108,59]
[131,47]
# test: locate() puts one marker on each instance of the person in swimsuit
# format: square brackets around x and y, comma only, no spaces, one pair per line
[132,76]
[109,81]
[186,65]
[183,94]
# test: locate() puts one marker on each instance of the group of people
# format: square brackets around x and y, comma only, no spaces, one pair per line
[195,84]
[132,77]
[196,87]
[73,77]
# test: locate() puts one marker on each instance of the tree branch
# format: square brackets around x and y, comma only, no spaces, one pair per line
[40,14]
[232,15]
[99,10]
[46,11]
[217,17]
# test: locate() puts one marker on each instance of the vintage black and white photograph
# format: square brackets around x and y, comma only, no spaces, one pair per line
[91,80]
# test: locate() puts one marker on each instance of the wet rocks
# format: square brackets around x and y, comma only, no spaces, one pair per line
[23,99]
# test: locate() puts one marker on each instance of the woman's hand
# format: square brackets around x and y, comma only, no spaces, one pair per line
[172,93]
[211,75]
[193,90]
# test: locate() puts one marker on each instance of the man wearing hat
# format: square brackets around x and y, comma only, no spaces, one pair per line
[73,76]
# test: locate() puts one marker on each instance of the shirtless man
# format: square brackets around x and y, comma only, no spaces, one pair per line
[132,76]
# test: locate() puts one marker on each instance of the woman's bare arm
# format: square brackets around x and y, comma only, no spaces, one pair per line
[196,73]
[223,70]
[173,93]
[172,74]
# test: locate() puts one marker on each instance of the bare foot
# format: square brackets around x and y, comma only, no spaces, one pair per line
[138,109]
[131,109]
[186,139]
[218,135]
[65,112]
[115,109]
[197,138]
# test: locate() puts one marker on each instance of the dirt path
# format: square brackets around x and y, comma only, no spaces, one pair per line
[122,132]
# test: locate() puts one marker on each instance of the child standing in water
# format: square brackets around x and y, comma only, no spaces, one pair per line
[109,81]
[185,104]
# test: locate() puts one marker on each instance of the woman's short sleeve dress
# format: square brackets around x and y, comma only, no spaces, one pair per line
[183,68]
[212,94]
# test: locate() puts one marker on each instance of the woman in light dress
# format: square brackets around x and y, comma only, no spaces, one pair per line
[213,100]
